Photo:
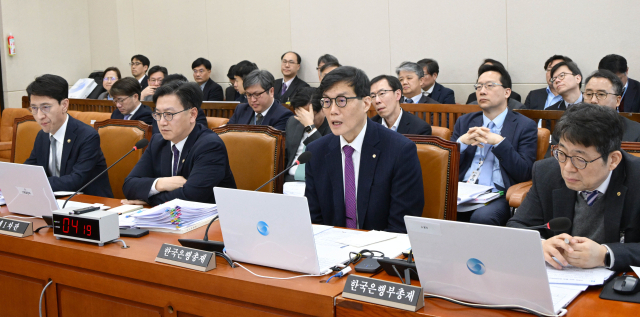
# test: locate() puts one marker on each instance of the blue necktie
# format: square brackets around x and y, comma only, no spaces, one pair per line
[407,100]
[590,197]
[486,171]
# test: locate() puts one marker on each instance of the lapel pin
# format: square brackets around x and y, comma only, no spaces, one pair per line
[618,193]
[68,140]
[374,156]
[183,163]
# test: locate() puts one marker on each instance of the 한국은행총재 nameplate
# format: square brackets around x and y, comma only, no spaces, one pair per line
[186,257]
[385,293]
[16,228]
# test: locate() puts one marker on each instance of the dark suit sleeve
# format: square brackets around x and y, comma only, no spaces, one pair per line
[235,117]
[425,130]
[530,211]
[138,183]
[624,254]
[310,190]
[527,101]
[281,124]
[407,193]
[88,157]
[146,118]
[518,164]
[449,97]
[216,93]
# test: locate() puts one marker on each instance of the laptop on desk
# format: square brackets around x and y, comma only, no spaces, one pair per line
[271,230]
[480,264]
[26,189]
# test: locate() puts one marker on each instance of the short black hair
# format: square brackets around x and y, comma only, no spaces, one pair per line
[431,65]
[326,58]
[329,64]
[297,55]
[201,61]
[244,68]
[305,96]
[554,58]
[112,69]
[393,82]
[613,78]
[353,77]
[591,125]
[505,78]
[127,86]
[158,68]
[52,86]
[189,94]
[614,63]
[174,77]
[230,72]
[143,59]
[493,62]
[573,67]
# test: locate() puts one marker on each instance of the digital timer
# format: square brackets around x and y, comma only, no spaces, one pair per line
[98,226]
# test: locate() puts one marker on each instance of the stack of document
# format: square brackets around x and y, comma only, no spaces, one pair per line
[474,196]
[568,283]
[176,216]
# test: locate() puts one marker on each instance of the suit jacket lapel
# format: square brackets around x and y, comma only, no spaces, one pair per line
[333,160]
[247,116]
[68,143]
[271,114]
[166,154]
[290,89]
[403,126]
[614,202]
[44,160]
[368,161]
[191,140]
[564,203]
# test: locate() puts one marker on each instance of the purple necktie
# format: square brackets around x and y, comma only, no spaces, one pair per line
[349,188]
[284,88]
[127,116]
[176,159]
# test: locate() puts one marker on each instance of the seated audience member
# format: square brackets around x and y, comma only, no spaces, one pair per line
[411,76]
[286,87]
[497,146]
[185,160]
[431,88]
[242,69]
[631,91]
[589,182]
[262,108]
[230,92]
[605,88]
[139,66]
[308,125]
[543,98]
[326,58]
[67,149]
[109,77]
[327,67]
[514,95]
[340,185]
[202,75]
[156,76]
[126,92]
[386,92]
[567,80]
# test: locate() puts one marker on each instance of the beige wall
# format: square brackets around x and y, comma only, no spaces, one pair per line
[73,37]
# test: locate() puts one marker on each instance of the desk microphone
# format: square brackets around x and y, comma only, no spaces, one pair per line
[139,145]
[555,224]
[302,159]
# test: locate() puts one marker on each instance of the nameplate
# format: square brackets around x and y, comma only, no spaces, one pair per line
[384,293]
[16,228]
[187,257]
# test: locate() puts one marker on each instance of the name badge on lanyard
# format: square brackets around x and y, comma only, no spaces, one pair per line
[475,174]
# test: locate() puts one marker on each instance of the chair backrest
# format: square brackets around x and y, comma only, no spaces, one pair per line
[214,122]
[9,116]
[220,109]
[440,113]
[632,148]
[117,137]
[25,130]
[543,143]
[439,160]
[441,132]
[256,154]
[89,117]
[549,118]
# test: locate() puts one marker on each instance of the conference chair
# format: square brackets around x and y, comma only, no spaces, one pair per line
[439,160]
[256,154]
[632,148]
[214,122]
[220,109]
[442,132]
[25,130]
[117,137]
[90,117]
[517,193]
[439,115]
[6,130]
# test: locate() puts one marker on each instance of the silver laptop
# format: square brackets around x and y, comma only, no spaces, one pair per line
[26,189]
[479,263]
[271,230]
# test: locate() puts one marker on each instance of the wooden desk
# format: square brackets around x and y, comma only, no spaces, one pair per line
[588,303]
[110,281]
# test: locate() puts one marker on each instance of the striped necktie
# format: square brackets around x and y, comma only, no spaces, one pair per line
[590,196]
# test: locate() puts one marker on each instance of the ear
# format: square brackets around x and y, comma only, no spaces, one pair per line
[398,94]
[579,78]
[367,103]
[618,100]
[135,97]
[435,76]
[193,114]
[271,90]
[615,158]
[65,105]
[507,92]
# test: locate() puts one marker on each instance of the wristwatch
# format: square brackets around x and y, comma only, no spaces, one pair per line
[607,259]
[309,128]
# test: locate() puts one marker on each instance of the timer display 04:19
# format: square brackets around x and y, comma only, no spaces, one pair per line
[77,227]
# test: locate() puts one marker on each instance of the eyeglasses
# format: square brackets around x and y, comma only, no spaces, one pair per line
[199,71]
[120,100]
[560,76]
[44,109]
[109,79]
[135,64]
[488,85]
[167,115]
[380,93]
[286,62]
[158,81]
[577,161]
[255,95]
[341,101]
[600,95]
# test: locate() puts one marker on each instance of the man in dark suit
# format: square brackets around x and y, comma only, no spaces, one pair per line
[201,119]
[593,185]
[497,146]
[68,149]
[543,98]
[156,76]
[386,92]
[286,87]
[411,77]
[126,92]
[431,88]
[364,175]
[202,75]
[262,108]
[488,61]
[241,70]
[308,125]
[186,160]
[230,92]
[567,80]
[631,90]
[139,66]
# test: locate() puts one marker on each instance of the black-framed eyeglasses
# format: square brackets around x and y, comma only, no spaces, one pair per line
[120,100]
[135,64]
[380,93]
[577,161]
[341,101]
[488,85]
[560,76]
[167,115]
[255,95]
[600,95]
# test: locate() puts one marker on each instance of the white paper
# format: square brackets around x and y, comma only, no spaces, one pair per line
[335,234]
[294,188]
[169,216]
[320,229]
[392,248]
[468,192]
[636,270]
[367,238]
[574,275]
[64,193]
[77,204]
[562,297]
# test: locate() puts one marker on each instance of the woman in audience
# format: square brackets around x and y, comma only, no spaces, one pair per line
[109,77]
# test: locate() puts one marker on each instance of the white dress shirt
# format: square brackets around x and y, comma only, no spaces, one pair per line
[429,91]
[264,113]
[299,151]
[134,111]
[59,139]
[416,98]
[179,146]
[142,78]
[395,125]
[288,83]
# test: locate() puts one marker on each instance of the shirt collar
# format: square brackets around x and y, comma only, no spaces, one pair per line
[289,82]
[264,113]
[356,144]
[202,86]
[180,144]
[59,135]
[498,121]
[603,187]
[624,90]
[416,98]
[142,78]
[134,110]
[549,91]
[396,124]
[579,100]
[430,90]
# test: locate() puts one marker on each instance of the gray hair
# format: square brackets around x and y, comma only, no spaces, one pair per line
[262,77]
[410,67]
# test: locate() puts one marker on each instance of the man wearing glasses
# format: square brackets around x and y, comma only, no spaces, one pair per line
[202,75]
[630,101]
[567,80]
[543,98]
[125,94]
[363,176]
[286,87]
[262,108]
[411,75]
[139,66]
[186,160]
[68,149]
[156,76]
[386,92]
[591,182]
[497,146]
